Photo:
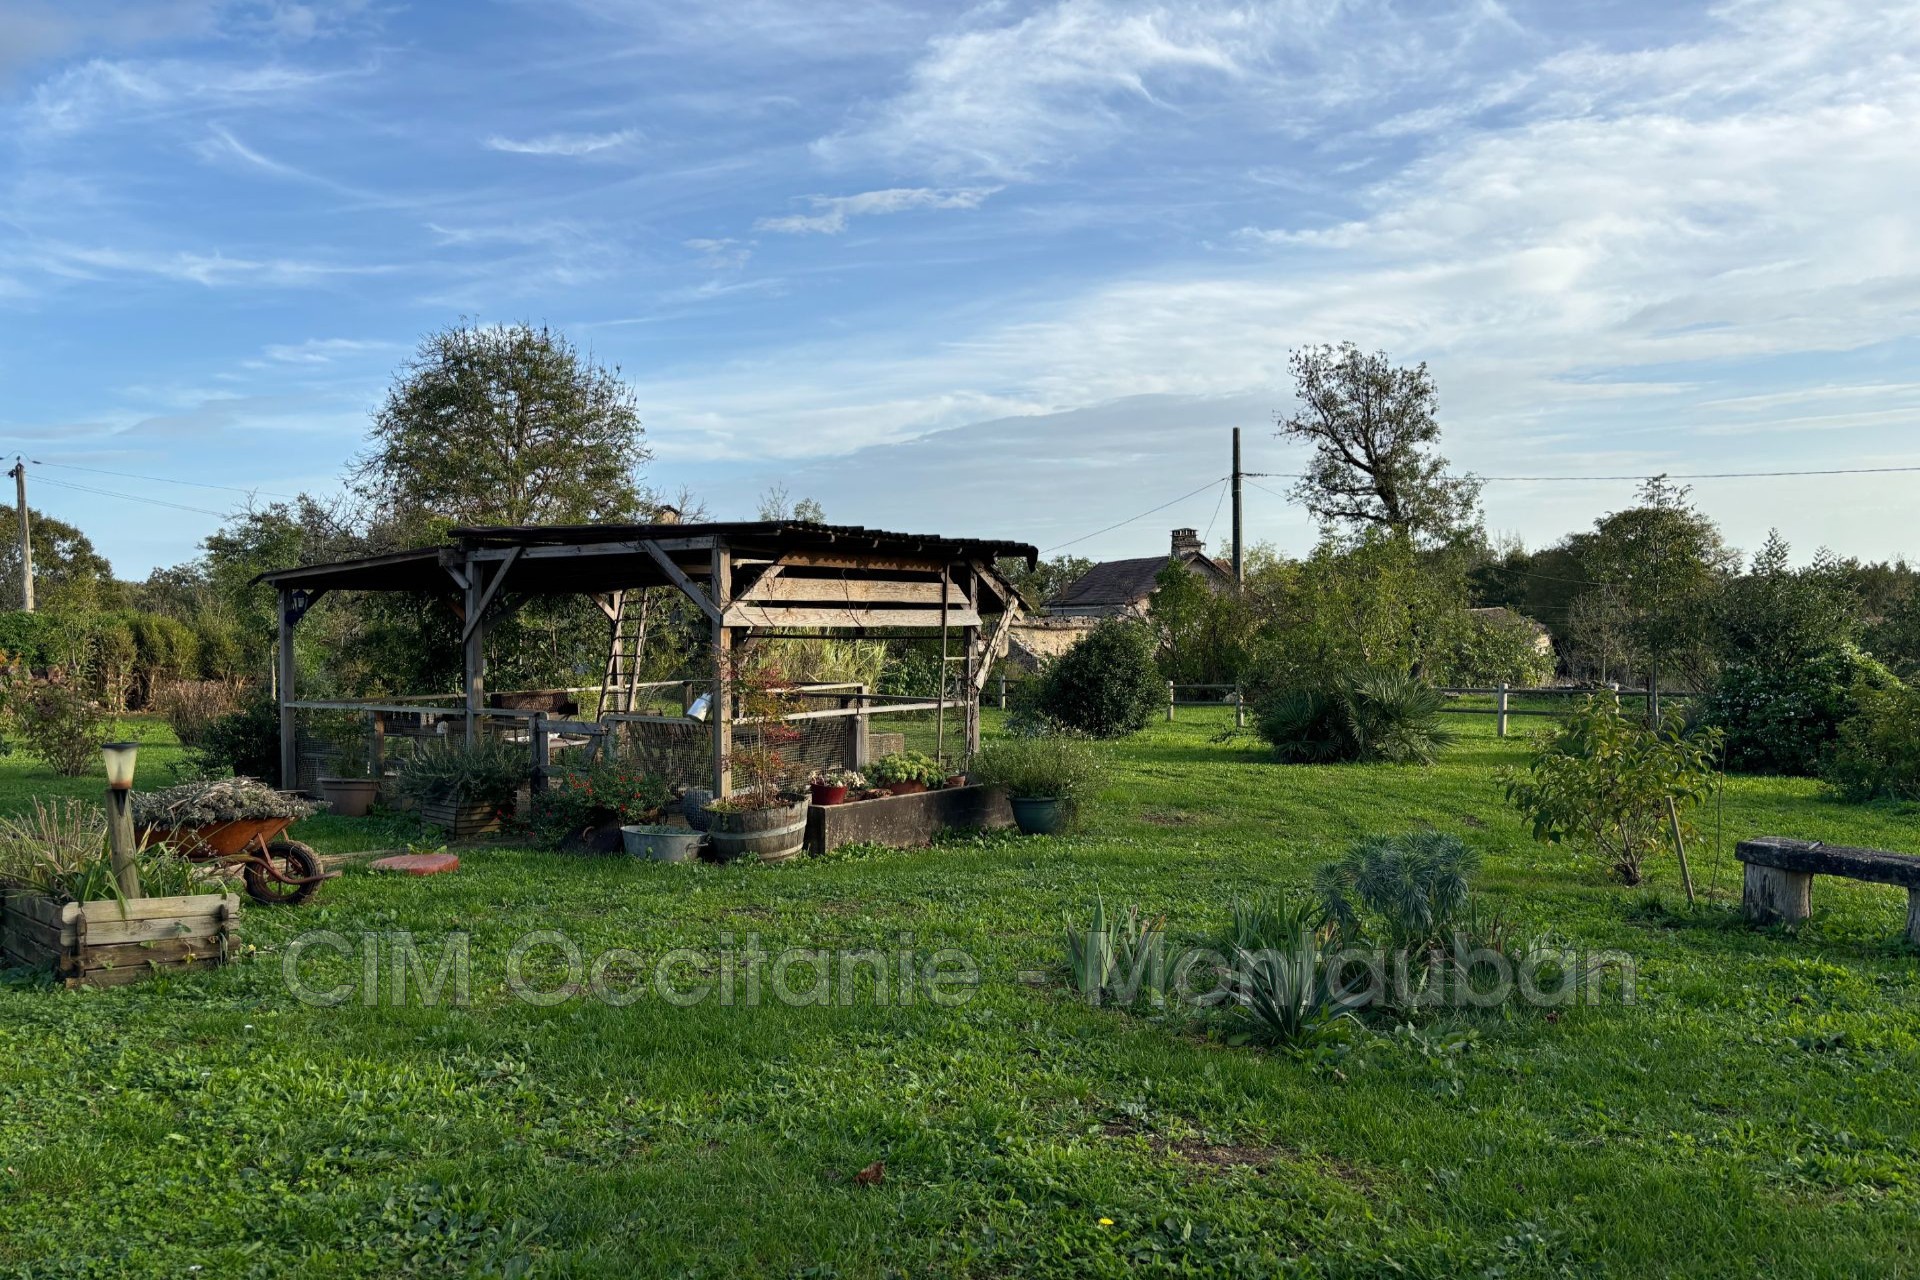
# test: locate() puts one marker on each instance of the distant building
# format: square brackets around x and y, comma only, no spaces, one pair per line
[1123,588]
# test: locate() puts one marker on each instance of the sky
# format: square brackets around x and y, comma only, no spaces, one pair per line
[1009,270]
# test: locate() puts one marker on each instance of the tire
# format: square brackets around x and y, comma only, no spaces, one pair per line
[291,858]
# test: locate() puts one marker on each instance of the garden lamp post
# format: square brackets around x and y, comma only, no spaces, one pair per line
[126,871]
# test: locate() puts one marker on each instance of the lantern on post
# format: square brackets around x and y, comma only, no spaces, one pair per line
[119,757]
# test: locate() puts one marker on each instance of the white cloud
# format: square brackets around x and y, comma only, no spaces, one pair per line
[833,212]
[105,91]
[720,253]
[562,144]
[211,270]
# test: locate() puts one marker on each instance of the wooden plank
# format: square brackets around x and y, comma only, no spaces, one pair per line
[853,591]
[209,905]
[128,974]
[478,611]
[855,560]
[110,933]
[995,646]
[754,615]
[167,953]
[595,550]
[681,580]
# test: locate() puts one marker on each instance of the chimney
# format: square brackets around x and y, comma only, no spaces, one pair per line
[1186,542]
[667,515]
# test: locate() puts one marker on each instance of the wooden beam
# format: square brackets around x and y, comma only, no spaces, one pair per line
[593,549]
[610,605]
[474,655]
[479,611]
[856,560]
[850,591]
[283,656]
[720,713]
[996,645]
[756,615]
[687,588]
[766,579]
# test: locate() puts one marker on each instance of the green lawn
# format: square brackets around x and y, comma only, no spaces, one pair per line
[1752,1114]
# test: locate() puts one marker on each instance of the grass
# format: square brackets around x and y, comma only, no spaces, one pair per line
[1753,1113]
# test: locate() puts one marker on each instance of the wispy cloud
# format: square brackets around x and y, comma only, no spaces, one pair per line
[722,254]
[211,270]
[832,213]
[563,144]
[104,91]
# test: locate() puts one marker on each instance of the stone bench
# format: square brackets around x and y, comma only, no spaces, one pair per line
[1780,872]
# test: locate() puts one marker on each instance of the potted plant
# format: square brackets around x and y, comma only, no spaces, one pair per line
[763,820]
[588,808]
[1047,778]
[830,786]
[905,772]
[350,787]
[464,789]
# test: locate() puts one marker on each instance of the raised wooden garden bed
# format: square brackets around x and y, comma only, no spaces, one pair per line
[907,820]
[93,944]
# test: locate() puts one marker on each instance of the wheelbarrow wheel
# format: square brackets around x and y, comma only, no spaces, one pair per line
[290,858]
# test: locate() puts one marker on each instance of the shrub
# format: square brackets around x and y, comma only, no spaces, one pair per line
[1106,686]
[1283,996]
[58,724]
[245,742]
[1407,891]
[191,707]
[1605,781]
[1373,716]
[1782,716]
[1877,752]
[488,772]
[1055,766]
[1495,646]
[573,801]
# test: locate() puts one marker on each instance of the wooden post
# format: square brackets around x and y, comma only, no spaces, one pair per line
[1003,691]
[1500,711]
[863,732]
[970,636]
[1913,916]
[283,684]
[1680,847]
[720,587]
[1239,708]
[120,837]
[542,750]
[1169,702]
[1772,893]
[475,651]
[377,762]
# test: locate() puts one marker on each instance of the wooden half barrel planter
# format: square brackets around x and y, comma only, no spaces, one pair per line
[768,835]
[110,943]
[460,818]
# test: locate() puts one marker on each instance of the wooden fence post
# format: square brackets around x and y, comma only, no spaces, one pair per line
[1239,708]
[1169,702]
[542,750]
[1500,711]
[1003,691]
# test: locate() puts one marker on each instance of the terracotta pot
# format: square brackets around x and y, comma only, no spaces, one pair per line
[955,780]
[828,793]
[906,788]
[350,797]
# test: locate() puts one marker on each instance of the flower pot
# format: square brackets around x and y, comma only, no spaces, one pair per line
[693,807]
[767,835]
[905,788]
[955,780]
[828,793]
[350,797]
[1039,815]
[460,818]
[663,844]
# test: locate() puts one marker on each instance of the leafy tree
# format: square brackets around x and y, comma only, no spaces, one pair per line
[775,504]
[1877,752]
[504,424]
[1200,631]
[1603,781]
[1656,568]
[1372,429]
[69,576]
[1775,613]
[1044,580]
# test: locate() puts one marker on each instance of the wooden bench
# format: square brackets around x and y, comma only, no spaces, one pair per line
[1780,872]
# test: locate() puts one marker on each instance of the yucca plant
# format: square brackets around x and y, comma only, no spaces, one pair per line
[1281,997]
[1272,920]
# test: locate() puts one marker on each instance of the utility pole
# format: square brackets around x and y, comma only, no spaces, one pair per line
[19,474]
[1239,554]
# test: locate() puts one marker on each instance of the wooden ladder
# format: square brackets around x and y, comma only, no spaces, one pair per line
[626,646]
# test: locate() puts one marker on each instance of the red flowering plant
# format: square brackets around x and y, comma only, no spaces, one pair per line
[578,800]
[763,698]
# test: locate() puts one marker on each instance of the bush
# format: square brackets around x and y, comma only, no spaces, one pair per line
[575,801]
[1409,892]
[1106,686]
[487,773]
[58,724]
[191,707]
[1494,647]
[1783,716]
[245,742]
[1604,781]
[1374,716]
[1055,766]
[906,766]
[61,850]
[1876,754]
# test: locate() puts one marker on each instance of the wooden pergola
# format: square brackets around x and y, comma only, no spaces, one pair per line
[774,578]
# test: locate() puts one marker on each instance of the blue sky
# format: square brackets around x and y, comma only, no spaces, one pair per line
[1012,269]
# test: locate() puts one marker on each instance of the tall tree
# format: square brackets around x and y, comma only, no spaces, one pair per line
[68,574]
[1372,428]
[504,424]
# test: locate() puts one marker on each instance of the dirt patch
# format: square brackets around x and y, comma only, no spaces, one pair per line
[1223,1157]
[1478,824]
[1171,819]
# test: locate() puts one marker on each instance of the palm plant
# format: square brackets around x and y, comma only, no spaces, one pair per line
[1413,887]
[1378,716]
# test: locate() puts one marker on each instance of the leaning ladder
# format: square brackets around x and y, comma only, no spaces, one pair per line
[626,646]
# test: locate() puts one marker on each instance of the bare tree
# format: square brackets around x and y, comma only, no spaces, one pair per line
[1372,428]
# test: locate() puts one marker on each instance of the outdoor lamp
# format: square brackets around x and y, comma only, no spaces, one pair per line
[119,757]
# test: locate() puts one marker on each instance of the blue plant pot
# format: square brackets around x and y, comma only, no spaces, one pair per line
[1039,815]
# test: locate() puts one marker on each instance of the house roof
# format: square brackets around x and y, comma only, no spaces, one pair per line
[1121,582]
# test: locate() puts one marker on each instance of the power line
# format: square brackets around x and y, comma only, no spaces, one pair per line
[134,497]
[1130,519]
[134,475]
[1663,475]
